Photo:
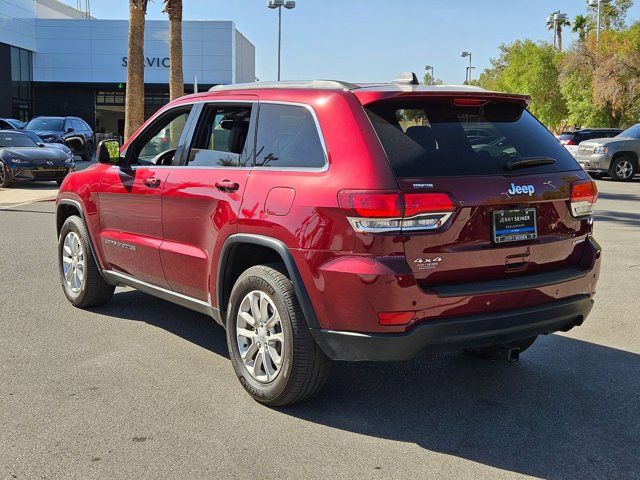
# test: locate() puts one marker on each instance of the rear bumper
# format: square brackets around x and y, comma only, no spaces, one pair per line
[456,333]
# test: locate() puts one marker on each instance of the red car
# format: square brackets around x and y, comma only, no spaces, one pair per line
[322,220]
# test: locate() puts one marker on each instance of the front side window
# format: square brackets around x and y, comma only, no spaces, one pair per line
[224,137]
[631,132]
[158,144]
[288,138]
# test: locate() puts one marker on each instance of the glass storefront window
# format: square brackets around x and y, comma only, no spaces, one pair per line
[21,76]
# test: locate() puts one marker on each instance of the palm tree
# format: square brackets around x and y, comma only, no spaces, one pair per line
[134,99]
[557,24]
[581,26]
[173,8]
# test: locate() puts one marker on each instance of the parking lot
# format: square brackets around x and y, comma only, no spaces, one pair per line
[144,388]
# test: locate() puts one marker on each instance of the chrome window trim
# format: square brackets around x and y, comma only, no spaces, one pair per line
[254,167]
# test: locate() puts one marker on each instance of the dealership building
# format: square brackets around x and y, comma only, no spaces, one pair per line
[57,60]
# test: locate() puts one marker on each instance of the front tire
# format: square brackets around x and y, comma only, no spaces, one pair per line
[623,169]
[80,276]
[271,349]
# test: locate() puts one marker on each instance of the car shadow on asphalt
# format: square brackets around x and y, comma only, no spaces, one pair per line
[568,409]
[192,326]
[626,218]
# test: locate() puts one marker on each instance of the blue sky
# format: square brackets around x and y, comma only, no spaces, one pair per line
[373,40]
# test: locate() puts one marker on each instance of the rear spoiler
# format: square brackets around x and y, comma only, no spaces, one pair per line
[370,96]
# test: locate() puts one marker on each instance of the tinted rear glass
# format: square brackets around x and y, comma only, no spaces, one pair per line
[437,138]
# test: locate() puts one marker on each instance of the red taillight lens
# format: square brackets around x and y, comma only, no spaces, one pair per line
[395,318]
[392,212]
[569,142]
[417,203]
[371,204]
[584,191]
[583,196]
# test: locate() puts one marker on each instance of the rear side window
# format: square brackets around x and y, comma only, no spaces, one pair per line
[224,137]
[438,138]
[288,138]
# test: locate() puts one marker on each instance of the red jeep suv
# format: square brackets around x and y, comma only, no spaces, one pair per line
[323,220]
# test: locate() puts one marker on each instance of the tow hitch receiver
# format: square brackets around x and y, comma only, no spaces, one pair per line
[502,352]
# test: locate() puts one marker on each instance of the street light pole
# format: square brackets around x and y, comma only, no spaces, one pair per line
[427,68]
[598,5]
[468,74]
[273,4]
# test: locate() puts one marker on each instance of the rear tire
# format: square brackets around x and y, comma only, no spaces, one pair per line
[623,169]
[80,276]
[596,175]
[280,363]
[87,154]
[5,177]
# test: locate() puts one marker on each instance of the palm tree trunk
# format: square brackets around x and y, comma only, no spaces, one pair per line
[134,99]
[176,80]
[559,35]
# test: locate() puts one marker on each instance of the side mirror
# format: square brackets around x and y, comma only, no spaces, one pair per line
[70,130]
[41,145]
[109,152]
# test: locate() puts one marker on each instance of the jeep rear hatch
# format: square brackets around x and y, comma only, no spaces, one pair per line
[486,190]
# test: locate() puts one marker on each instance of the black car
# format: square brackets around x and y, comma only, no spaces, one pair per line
[72,131]
[22,160]
[574,137]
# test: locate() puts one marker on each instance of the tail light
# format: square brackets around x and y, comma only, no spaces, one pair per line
[583,197]
[567,142]
[385,212]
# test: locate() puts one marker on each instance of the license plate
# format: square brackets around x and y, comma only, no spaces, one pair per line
[514,225]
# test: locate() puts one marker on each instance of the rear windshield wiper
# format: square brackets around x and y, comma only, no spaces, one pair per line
[528,162]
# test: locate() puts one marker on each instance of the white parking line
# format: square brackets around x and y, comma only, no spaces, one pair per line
[19,205]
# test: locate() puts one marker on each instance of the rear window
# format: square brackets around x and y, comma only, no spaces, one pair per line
[438,138]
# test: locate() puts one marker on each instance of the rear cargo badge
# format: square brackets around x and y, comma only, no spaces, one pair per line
[521,190]
[427,263]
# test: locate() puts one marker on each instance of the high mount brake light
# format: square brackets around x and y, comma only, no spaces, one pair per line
[387,212]
[584,194]
[469,102]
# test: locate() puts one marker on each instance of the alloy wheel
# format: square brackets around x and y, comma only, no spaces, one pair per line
[624,169]
[73,262]
[260,336]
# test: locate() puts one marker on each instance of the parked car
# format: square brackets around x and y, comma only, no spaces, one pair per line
[572,138]
[617,156]
[71,131]
[36,138]
[337,221]
[11,124]
[22,160]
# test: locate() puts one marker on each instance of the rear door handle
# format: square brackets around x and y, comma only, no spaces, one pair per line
[152,182]
[227,186]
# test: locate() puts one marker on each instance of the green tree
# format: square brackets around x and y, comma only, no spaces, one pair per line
[530,68]
[429,80]
[582,25]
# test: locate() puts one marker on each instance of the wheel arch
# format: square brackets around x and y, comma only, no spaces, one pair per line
[626,153]
[66,208]
[234,260]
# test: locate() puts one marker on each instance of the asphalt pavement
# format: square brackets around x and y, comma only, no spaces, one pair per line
[141,388]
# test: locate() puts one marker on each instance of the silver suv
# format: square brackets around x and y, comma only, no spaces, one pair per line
[617,156]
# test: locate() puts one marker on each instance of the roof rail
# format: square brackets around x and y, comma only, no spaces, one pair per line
[315,84]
